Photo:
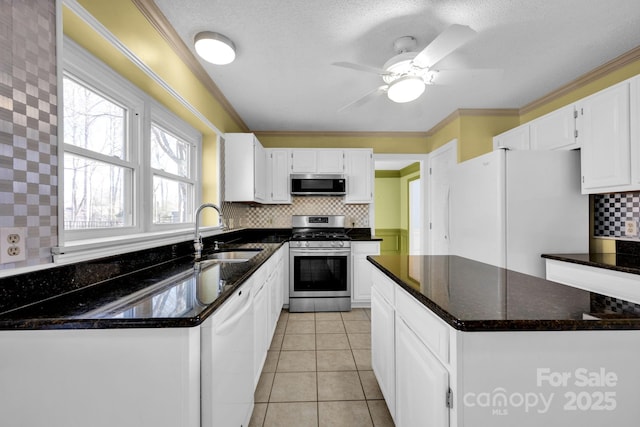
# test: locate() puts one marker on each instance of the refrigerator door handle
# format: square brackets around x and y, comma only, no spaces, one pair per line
[448,228]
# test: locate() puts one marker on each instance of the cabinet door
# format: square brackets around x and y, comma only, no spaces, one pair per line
[383,347]
[359,176]
[422,382]
[303,161]
[554,131]
[330,161]
[278,162]
[603,132]
[635,132]
[514,139]
[361,271]
[261,329]
[260,165]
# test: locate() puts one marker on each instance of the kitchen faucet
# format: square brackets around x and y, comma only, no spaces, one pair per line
[197,238]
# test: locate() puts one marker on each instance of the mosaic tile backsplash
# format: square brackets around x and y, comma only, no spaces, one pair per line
[28,125]
[612,210]
[279,216]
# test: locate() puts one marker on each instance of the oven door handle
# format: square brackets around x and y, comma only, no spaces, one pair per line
[311,252]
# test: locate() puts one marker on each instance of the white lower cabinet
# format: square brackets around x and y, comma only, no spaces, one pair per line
[260,319]
[267,307]
[422,382]
[361,272]
[383,347]
[406,360]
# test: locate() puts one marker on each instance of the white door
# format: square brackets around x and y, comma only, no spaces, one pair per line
[415,215]
[440,163]
[422,382]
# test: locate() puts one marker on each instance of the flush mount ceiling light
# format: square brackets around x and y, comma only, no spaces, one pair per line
[215,48]
[405,89]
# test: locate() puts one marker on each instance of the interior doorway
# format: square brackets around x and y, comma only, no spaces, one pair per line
[401,226]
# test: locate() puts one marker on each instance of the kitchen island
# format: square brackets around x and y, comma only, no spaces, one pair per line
[461,343]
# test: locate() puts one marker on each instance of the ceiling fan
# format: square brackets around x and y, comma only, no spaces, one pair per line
[407,73]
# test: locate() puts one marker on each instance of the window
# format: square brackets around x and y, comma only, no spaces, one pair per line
[129,165]
[98,173]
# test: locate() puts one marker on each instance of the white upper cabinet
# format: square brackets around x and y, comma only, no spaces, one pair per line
[278,180]
[513,139]
[553,131]
[635,132]
[314,160]
[245,169]
[604,135]
[360,176]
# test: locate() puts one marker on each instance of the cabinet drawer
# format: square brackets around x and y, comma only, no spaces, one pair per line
[365,248]
[431,330]
[383,285]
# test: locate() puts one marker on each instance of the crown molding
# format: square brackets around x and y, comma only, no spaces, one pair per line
[593,75]
[157,19]
[506,112]
[350,134]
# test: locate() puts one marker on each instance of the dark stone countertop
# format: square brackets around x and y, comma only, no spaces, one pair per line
[473,296]
[617,262]
[174,293]
[626,259]
[154,288]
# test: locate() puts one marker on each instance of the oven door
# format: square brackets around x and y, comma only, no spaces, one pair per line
[319,273]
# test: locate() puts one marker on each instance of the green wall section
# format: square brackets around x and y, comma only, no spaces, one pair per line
[392,207]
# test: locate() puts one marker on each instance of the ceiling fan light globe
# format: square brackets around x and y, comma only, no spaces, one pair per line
[405,89]
[214,48]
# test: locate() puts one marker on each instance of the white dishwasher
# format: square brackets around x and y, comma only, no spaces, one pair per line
[227,362]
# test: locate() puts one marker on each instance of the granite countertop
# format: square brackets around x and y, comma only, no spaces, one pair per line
[174,293]
[153,288]
[624,263]
[626,259]
[473,296]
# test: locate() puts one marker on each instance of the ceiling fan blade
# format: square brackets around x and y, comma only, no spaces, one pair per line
[360,67]
[365,98]
[466,76]
[449,40]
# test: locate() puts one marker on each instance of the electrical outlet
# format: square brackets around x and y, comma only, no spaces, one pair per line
[12,244]
[631,228]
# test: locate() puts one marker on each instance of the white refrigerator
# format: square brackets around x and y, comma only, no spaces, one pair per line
[509,207]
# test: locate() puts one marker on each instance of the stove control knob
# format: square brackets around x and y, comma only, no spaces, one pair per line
[340,243]
[306,244]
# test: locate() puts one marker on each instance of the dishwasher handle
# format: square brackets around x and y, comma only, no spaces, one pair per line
[224,327]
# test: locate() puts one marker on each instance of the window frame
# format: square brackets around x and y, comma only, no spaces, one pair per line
[142,111]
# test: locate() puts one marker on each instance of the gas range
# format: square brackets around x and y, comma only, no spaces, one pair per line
[320,231]
[319,259]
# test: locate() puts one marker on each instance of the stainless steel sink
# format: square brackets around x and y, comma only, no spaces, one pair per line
[231,255]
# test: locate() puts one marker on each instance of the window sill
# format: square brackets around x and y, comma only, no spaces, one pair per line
[85,250]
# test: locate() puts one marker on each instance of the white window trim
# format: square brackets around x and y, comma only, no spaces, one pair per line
[143,234]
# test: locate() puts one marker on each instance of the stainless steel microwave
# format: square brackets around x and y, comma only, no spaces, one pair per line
[318,185]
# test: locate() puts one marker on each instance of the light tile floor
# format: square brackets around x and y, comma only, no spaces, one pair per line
[318,373]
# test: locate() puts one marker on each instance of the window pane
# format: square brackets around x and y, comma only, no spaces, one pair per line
[172,201]
[169,153]
[96,194]
[92,121]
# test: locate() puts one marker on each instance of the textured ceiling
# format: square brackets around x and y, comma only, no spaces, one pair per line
[283,80]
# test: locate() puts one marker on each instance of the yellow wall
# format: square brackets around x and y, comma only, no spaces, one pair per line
[387,203]
[408,142]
